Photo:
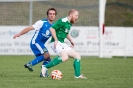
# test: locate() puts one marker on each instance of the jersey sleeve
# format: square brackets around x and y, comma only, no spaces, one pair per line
[58,24]
[38,25]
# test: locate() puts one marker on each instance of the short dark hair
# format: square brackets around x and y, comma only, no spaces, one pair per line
[52,9]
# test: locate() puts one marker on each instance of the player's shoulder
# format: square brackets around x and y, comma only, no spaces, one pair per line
[65,19]
[41,22]
[44,20]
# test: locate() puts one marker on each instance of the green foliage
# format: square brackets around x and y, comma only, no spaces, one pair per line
[101,73]
[119,13]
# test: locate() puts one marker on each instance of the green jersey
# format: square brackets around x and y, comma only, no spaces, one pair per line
[62,28]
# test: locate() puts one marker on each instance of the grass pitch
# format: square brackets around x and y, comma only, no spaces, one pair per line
[100,73]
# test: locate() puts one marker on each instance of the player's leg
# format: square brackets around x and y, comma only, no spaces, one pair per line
[76,64]
[61,52]
[46,55]
[39,51]
[46,61]
[62,56]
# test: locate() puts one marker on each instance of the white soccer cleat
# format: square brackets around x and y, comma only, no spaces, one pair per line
[81,77]
[44,71]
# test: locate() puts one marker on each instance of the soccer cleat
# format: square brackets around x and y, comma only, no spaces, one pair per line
[41,74]
[81,77]
[29,66]
[44,71]
[46,75]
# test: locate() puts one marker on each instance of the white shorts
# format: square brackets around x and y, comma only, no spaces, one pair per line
[60,46]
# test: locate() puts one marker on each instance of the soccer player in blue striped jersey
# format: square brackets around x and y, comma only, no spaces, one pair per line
[42,34]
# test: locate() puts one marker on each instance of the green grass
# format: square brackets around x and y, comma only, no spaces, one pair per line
[100,73]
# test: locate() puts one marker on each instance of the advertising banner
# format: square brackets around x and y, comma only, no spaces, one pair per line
[117,41]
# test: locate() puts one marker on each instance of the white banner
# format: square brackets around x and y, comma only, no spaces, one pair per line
[129,42]
[86,40]
[10,46]
[114,41]
[117,41]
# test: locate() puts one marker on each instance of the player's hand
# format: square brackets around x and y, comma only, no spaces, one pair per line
[72,44]
[55,44]
[16,35]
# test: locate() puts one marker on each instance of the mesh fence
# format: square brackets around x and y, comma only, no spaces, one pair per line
[17,13]
[119,13]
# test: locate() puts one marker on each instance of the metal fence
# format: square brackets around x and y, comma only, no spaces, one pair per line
[26,13]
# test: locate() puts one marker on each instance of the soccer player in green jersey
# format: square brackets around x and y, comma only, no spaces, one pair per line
[60,31]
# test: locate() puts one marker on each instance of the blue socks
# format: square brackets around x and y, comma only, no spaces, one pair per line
[38,60]
[46,61]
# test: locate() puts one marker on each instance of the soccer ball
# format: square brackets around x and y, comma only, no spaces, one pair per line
[56,74]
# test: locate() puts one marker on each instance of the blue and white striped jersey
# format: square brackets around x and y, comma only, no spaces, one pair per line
[42,32]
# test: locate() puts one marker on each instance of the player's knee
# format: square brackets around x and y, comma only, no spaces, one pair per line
[64,58]
[46,56]
[78,56]
[63,54]
[49,59]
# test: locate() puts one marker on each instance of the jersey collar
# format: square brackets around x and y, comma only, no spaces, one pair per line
[67,19]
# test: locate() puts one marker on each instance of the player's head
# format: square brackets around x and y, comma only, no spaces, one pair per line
[51,14]
[73,15]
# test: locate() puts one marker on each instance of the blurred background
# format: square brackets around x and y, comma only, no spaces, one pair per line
[113,70]
[118,14]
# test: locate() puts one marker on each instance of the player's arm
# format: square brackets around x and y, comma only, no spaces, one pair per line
[35,26]
[69,38]
[23,31]
[53,33]
[53,29]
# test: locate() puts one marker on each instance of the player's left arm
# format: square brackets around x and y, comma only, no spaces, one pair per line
[69,38]
[24,31]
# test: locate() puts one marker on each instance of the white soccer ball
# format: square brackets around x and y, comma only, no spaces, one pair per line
[56,74]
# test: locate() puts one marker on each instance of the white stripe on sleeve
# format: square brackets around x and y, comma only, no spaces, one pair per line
[38,25]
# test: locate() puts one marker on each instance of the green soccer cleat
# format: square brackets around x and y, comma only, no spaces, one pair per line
[29,66]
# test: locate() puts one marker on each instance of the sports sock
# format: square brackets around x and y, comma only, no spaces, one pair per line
[37,60]
[54,62]
[76,65]
[46,61]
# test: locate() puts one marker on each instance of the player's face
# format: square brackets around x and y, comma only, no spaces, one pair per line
[51,15]
[74,17]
